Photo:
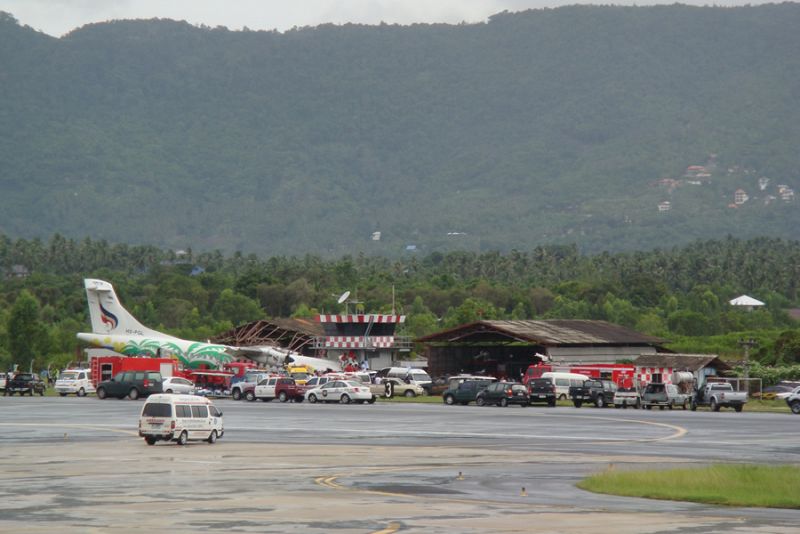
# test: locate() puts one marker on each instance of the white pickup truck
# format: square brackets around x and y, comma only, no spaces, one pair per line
[718,395]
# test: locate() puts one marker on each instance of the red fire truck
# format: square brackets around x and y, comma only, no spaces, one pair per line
[106,367]
[623,374]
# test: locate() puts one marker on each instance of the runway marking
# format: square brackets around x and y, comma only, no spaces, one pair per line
[74,425]
[391,528]
[679,430]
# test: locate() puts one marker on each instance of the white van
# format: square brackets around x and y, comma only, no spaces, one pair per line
[563,381]
[167,417]
[77,381]
[414,376]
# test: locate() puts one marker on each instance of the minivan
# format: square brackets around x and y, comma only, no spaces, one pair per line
[563,381]
[180,418]
[77,381]
[412,375]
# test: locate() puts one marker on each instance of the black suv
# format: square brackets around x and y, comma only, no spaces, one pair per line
[503,394]
[23,383]
[464,391]
[133,384]
[542,390]
[600,392]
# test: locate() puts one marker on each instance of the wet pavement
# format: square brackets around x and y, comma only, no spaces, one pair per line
[76,465]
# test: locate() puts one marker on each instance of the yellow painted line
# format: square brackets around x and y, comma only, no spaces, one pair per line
[74,425]
[679,430]
[391,528]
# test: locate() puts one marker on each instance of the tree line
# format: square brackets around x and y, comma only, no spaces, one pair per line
[680,294]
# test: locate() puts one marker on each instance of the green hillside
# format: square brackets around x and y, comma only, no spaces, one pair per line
[548,126]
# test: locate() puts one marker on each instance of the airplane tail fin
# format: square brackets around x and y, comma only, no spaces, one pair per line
[107,314]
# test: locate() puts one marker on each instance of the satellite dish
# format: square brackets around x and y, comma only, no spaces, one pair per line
[344,297]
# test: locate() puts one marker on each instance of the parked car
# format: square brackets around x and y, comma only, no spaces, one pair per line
[317,381]
[564,381]
[180,418]
[415,376]
[465,389]
[793,400]
[503,393]
[177,384]
[131,384]
[542,390]
[247,384]
[599,392]
[290,389]
[625,397]
[394,386]
[663,395]
[23,383]
[77,381]
[341,391]
[781,390]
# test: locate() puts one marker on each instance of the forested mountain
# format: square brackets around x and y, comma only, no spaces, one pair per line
[547,126]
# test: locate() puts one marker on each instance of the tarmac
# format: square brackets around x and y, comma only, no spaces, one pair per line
[77,465]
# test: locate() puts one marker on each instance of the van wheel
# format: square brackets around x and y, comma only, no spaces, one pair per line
[168,391]
[250,396]
[101,393]
[345,399]
[409,393]
[504,402]
[282,397]
[183,438]
[479,401]
[312,399]
[133,394]
[562,397]
[237,394]
[449,399]
[212,438]
[150,441]
[81,392]
[600,402]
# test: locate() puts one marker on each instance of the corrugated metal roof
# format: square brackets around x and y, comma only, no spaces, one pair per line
[692,362]
[551,332]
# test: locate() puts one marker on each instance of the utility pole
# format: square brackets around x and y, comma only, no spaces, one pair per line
[747,344]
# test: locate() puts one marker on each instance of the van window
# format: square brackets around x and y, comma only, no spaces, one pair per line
[183,411]
[139,376]
[199,411]
[420,376]
[213,411]
[157,409]
[562,382]
[126,377]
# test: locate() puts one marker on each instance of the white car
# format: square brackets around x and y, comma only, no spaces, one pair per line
[341,391]
[176,384]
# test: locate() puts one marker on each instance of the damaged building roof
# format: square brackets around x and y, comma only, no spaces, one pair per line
[690,362]
[544,332]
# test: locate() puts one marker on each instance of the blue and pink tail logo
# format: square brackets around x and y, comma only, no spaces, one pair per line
[108,318]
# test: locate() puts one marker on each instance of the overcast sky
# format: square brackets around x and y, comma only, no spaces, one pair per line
[57,17]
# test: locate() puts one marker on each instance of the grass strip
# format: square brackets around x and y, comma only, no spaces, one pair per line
[727,484]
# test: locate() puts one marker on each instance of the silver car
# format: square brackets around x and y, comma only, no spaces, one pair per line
[176,384]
